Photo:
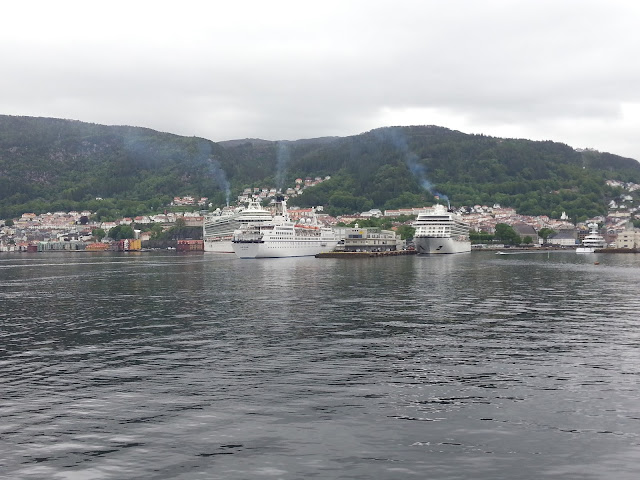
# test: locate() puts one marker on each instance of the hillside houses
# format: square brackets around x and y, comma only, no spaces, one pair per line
[61,227]
[57,226]
[263,193]
[189,200]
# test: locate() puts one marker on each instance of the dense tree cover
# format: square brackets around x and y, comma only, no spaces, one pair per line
[98,233]
[177,232]
[400,167]
[406,232]
[545,233]
[61,165]
[121,232]
[52,165]
[480,237]
[506,234]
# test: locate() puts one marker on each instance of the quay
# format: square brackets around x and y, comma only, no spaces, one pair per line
[617,250]
[391,253]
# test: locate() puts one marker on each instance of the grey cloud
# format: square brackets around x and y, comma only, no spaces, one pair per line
[290,70]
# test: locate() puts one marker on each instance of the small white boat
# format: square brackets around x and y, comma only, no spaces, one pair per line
[593,241]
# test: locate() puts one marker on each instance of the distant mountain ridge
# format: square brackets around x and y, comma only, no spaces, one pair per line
[261,142]
[49,164]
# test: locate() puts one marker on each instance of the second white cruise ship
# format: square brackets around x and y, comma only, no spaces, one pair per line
[439,230]
[280,237]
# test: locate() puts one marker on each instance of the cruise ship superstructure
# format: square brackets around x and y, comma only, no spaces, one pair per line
[593,241]
[217,229]
[280,237]
[439,230]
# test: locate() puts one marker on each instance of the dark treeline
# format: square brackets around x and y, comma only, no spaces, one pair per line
[62,165]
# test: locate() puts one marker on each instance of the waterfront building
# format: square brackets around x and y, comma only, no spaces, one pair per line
[372,239]
[628,238]
[374,212]
[297,214]
[193,221]
[190,246]
[564,238]
[525,230]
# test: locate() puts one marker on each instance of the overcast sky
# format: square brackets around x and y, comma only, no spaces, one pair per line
[560,70]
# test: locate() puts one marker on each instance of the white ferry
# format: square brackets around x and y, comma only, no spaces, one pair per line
[439,230]
[280,237]
[218,228]
[593,241]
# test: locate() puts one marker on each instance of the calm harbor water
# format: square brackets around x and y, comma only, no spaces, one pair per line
[168,366]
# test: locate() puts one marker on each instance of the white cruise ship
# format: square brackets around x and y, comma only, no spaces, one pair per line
[593,241]
[439,230]
[280,237]
[217,229]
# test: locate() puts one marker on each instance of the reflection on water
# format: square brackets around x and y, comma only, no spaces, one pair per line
[203,366]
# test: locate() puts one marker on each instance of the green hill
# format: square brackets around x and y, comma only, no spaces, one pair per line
[52,164]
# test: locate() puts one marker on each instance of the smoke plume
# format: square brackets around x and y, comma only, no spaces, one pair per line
[283,155]
[215,169]
[397,138]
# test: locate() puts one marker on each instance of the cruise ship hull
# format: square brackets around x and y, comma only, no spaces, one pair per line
[283,249]
[441,230]
[218,246]
[435,245]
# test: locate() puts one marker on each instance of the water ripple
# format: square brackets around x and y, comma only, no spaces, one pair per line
[198,366]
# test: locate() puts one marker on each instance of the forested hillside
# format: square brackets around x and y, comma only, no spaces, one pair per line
[53,164]
[406,166]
